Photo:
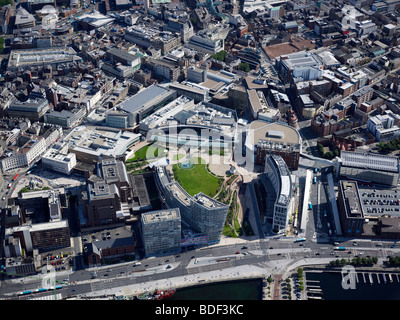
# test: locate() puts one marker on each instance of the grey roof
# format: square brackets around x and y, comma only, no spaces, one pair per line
[22,16]
[114,243]
[134,103]
[123,54]
[183,116]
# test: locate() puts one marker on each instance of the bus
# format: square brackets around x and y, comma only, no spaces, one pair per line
[315,180]
[16,176]
[309,206]
[28,292]
[300,240]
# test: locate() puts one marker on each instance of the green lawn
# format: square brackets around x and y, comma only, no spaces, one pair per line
[196,179]
[178,156]
[148,152]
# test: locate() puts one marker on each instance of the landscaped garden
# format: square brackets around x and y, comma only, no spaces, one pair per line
[193,176]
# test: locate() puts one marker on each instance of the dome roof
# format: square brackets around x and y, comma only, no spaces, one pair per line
[48,9]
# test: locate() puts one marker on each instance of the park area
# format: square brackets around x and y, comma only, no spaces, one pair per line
[194,177]
[206,173]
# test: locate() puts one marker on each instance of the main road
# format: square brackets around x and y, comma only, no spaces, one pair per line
[261,253]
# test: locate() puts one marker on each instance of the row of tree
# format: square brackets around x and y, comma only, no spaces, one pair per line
[356,261]
[390,146]
[393,262]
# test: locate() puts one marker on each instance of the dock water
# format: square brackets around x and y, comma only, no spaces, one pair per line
[314,291]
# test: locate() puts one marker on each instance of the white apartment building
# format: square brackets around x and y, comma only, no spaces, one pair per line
[206,45]
[31,151]
[384,127]
[25,156]
[278,174]
[58,161]
[161,232]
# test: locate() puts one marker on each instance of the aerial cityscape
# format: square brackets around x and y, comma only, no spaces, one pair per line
[153,147]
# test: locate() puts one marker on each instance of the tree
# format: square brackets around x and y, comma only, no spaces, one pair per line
[221,55]
[24,189]
[1,43]
[5,2]
[329,155]
[300,273]
[336,152]
[244,67]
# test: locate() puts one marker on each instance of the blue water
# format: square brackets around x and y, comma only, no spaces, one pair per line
[232,290]
[331,284]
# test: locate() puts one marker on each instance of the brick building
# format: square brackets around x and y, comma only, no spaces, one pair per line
[274,139]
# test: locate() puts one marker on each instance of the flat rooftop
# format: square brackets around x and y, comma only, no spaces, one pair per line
[160,216]
[299,60]
[41,56]
[369,161]
[143,97]
[272,132]
[351,199]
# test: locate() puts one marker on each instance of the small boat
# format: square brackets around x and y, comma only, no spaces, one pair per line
[156,294]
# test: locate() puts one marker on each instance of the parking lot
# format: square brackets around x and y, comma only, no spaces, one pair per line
[381,201]
[60,260]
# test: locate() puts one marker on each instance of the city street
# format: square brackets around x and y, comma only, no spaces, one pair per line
[274,256]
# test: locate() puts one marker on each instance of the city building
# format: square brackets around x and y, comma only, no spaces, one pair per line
[368,168]
[196,75]
[65,118]
[90,143]
[190,91]
[31,149]
[23,19]
[362,95]
[212,126]
[148,36]
[200,212]
[278,176]
[273,139]
[33,109]
[164,69]
[299,66]
[161,232]
[42,57]
[42,236]
[101,203]
[5,14]
[384,127]
[109,245]
[260,108]
[58,159]
[126,58]
[94,20]
[142,104]
[350,208]
[205,43]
